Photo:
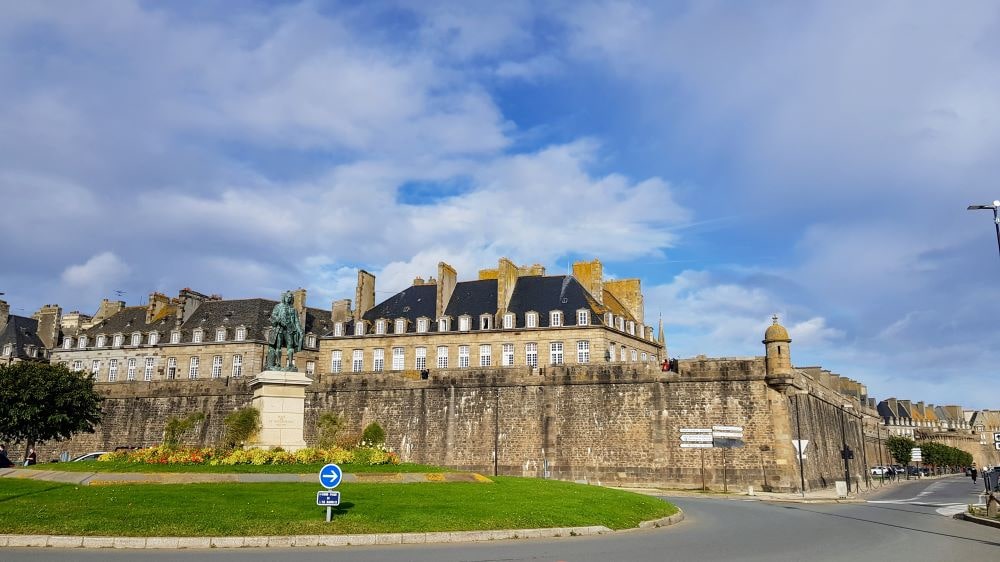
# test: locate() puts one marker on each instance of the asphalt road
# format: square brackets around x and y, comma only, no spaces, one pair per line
[907,523]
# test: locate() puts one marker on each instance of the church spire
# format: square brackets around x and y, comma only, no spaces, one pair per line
[661,339]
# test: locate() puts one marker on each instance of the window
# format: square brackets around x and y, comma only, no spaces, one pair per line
[359,328]
[422,325]
[508,321]
[78,365]
[643,355]
[380,327]
[147,372]
[609,319]
[379,360]
[171,368]
[237,366]
[175,337]
[357,360]
[623,356]
[611,352]
[531,320]
[83,342]
[95,367]
[485,322]
[463,356]
[101,340]
[631,327]
[485,355]
[507,354]
[311,340]
[310,368]
[421,358]
[443,324]
[397,359]
[241,333]
[531,354]
[582,318]
[635,355]
[197,336]
[336,361]
[130,370]
[68,343]
[220,334]
[119,340]
[338,329]
[442,352]
[556,353]
[216,366]
[8,350]
[400,327]
[112,370]
[555,318]
[193,368]
[464,323]
[154,338]
[583,351]
[621,324]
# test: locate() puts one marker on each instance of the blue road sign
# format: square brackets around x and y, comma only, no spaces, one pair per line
[329,476]
[328,498]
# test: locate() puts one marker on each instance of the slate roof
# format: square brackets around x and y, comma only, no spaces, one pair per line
[412,303]
[558,292]
[128,320]
[21,332]
[473,298]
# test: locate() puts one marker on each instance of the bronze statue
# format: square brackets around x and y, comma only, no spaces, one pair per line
[286,331]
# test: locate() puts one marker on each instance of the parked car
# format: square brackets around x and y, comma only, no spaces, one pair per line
[89,457]
[880,471]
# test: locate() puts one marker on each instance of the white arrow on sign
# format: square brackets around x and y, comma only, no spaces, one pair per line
[702,437]
[800,447]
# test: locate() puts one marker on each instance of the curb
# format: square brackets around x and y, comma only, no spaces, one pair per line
[978,520]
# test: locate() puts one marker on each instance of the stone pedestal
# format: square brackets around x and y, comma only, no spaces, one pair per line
[281,397]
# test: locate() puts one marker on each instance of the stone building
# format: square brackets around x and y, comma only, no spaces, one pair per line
[193,336]
[27,339]
[509,317]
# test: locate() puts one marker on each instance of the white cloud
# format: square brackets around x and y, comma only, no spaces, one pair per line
[101,270]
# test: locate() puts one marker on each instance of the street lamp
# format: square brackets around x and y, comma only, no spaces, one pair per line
[800,448]
[846,453]
[996,218]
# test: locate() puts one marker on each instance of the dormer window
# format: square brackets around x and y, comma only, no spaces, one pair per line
[83,342]
[359,328]
[555,319]
[422,325]
[380,327]
[609,319]
[444,324]
[311,340]
[400,327]
[68,343]
[631,327]
[197,336]
[8,350]
[531,320]
[464,323]
[338,329]
[582,317]
[486,322]
[102,340]
[220,334]
[241,333]
[154,338]
[136,339]
[119,339]
[175,337]
[508,321]
[621,323]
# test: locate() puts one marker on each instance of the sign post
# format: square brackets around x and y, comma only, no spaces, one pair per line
[726,437]
[917,456]
[329,477]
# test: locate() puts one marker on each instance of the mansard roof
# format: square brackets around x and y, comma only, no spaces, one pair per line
[129,319]
[473,298]
[543,294]
[411,303]
[21,332]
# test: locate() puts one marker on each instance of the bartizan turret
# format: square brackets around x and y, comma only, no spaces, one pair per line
[778,357]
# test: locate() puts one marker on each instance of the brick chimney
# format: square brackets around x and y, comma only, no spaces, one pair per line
[48,324]
[340,311]
[364,295]
[157,306]
[507,274]
[447,279]
[590,274]
[4,313]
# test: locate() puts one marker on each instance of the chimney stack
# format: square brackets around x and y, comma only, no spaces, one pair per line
[364,295]
[447,279]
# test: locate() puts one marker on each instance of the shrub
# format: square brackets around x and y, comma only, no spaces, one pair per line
[373,434]
[175,427]
[347,440]
[327,427]
[241,426]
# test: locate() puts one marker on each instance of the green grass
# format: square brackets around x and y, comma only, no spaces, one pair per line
[119,466]
[33,507]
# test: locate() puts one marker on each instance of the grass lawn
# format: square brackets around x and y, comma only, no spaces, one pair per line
[118,466]
[32,507]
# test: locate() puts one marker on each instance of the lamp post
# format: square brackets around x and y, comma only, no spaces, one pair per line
[798,434]
[996,217]
[845,452]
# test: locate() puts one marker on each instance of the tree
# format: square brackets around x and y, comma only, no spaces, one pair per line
[40,402]
[900,447]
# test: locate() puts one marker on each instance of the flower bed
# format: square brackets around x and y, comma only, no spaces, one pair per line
[363,455]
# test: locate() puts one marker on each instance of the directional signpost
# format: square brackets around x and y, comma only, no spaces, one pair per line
[329,476]
[996,441]
[917,456]
[726,437]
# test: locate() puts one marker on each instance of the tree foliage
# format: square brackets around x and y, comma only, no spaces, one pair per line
[241,426]
[939,454]
[373,434]
[175,427]
[40,402]
[328,426]
[900,448]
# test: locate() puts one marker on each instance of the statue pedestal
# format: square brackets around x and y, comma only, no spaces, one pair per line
[280,396]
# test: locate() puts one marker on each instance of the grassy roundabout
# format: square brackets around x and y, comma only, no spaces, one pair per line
[123,466]
[34,507]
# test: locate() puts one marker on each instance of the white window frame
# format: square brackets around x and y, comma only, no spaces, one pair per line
[635,355]
[8,350]
[631,327]
[556,356]
[463,356]
[444,324]
[508,321]
[380,327]
[507,355]
[609,319]
[624,354]
[240,334]
[78,365]
[486,322]
[531,354]
[338,330]
[485,355]
[311,340]
[193,365]
[101,340]
[464,323]
[422,325]
[420,358]
[112,370]
[220,334]
[555,319]
[583,351]
[175,337]
[644,357]
[398,358]
[531,320]
[171,368]
[359,328]
[153,338]
[378,360]
[119,340]
[620,323]
[148,368]
[237,371]
[310,368]
[442,357]
[217,367]
[583,318]
[612,351]
[68,343]
[399,327]
[95,368]
[336,361]
[198,336]
[357,360]
[130,369]
[136,339]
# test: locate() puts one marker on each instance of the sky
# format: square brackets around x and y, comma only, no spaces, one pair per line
[808,159]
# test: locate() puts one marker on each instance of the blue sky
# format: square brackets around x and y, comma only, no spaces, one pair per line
[808,159]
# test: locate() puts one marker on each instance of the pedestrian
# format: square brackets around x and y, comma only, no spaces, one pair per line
[32,457]
[975,474]
[4,460]
[892,473]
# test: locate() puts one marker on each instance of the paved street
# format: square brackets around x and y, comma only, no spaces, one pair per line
[909,522]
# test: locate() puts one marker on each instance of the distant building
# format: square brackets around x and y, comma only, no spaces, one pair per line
[23,338]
